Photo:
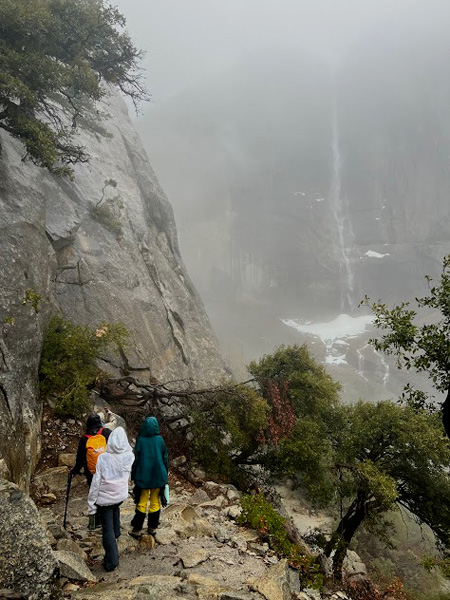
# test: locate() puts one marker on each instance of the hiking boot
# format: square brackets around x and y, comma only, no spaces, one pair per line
[136,533]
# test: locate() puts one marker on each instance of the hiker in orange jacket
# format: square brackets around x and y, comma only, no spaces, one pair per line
[94,426]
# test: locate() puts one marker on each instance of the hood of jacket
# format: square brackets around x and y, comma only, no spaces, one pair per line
[93,423]
[149,427]
[118,442]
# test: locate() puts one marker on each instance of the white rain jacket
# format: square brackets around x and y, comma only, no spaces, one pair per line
[112,472]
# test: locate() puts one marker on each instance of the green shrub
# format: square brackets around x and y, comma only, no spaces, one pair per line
[105,215]
[258,513]
[107,211]
[68,362]
[225,430]
[33,298]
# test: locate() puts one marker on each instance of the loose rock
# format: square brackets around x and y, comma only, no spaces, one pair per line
[73,567]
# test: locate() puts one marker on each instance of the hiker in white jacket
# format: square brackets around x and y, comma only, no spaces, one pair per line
[109,488]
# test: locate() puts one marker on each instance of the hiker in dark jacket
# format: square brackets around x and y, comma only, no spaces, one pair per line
[93,426]
[150,475]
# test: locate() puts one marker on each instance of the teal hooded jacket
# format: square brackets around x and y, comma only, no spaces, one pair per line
[151,465]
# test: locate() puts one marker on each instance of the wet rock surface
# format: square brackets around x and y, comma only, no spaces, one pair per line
[27,563]
[54,245]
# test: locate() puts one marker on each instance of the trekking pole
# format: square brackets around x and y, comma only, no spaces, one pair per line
[69,483]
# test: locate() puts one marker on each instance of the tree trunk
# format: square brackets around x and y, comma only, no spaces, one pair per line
[446,414]
[345,531]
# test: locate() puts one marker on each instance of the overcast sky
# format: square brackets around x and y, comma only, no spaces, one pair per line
[186,40]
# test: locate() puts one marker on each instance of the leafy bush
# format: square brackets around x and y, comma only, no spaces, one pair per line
[311,390]
[259,514]
[105,215]
[33,298]
[108,211]
[68,364]
[225,429]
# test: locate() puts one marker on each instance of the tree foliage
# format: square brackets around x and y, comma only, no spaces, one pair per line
[68,361]
[225,426]
[419,336]
[369,458]
[55,57]
[364,459]
[310,389]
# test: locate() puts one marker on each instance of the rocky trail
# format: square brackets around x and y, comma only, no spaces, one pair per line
[199,551]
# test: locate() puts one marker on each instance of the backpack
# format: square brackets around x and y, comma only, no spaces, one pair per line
[95,445]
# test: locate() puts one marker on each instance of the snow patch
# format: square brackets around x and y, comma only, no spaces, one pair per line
[335,360]
[333,334]
[343,326]
[373,254]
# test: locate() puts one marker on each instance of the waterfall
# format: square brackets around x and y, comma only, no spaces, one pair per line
[339,209]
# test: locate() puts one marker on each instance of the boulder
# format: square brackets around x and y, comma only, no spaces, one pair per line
[210,589]
[222,535]
[198,497]
[201,580]
[126,543]
[212,488]
[186,521]
[233,512]
[309,594]
[275,584]
[67,460]
[165,536]
[147,541]
[27,563]
[217,503]
[73,567]
[178,462]
[156,587]
[102,591]
[193,558]
[68,545]
[52,480]
[234,495]
[354,566]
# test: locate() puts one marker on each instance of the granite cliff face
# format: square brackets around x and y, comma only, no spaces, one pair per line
[103,248]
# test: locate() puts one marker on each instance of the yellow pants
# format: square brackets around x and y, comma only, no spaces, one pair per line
[153,496]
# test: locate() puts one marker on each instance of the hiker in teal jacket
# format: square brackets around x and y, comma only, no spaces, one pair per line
[150,475]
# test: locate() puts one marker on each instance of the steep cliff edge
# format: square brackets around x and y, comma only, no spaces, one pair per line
[103,248]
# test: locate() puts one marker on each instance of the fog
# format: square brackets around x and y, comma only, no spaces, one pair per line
[187,41]
[305,148]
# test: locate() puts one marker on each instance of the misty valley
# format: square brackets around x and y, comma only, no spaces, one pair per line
[225,242]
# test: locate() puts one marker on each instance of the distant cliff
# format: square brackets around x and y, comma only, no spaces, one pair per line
[310,187]
[103,248]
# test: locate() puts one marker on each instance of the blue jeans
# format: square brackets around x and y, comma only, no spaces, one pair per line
[110,518]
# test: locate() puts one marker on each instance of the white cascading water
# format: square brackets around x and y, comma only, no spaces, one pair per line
[343,224]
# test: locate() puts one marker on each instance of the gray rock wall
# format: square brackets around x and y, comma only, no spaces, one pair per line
[27,563]
[95,260]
